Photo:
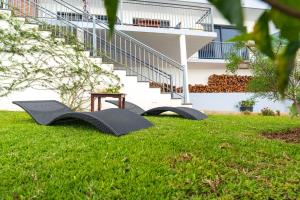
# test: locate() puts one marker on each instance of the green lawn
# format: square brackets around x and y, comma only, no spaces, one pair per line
[221,157]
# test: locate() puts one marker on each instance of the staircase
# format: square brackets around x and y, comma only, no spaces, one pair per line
[138,65]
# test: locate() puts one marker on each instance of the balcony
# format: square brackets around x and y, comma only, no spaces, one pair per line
[158,14]
[163,14]
[219,50]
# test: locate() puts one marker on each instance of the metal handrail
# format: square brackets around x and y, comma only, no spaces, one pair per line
[219,50]
[119,50]
[105,25]
[161,56]
[192,15]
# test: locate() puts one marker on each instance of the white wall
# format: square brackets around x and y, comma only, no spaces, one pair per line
[245,3]
[226,102]
[199,72]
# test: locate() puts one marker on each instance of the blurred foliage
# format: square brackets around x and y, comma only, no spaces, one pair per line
[287,24]
[265,82]
[247,103]
[29,60]
[267,112]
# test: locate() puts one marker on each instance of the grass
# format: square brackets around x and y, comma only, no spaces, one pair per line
[222,157]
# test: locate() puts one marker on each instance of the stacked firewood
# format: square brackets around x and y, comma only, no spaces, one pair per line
[222,83]
[165,87]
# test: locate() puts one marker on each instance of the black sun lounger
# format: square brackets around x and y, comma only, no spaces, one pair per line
[187,113]
[115,121]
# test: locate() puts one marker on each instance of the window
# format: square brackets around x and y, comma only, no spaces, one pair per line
[102,18]
[69,16]
[220,47]
[225,33]
[156,23]
[78,17]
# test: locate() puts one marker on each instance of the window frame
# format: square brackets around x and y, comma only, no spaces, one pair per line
[220,28]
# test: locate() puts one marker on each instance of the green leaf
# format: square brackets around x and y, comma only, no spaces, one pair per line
[286,64]
[242,37]
[232,10]
[261,35]
[111,7]
[289,26]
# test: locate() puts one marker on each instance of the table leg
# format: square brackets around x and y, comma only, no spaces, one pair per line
[120,102]
[92,103]
[99,103]
[123,103]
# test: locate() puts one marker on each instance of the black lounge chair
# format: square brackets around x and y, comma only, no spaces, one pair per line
[114,121]
[187,113]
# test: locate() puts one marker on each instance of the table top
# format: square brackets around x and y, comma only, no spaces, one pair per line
[108,94]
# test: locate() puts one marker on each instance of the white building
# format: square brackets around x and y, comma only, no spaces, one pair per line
[167,43]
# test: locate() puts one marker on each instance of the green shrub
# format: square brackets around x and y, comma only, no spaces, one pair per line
[293,111]
[247,103]
[246,112]
[267,112]
[278,113]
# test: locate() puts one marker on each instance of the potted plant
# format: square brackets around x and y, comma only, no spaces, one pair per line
[246,105]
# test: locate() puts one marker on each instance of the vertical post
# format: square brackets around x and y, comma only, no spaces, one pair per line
[94,37]
[99,103]
[211,20]
[3,4]
[29,9]
[92,102]
[171,86]
[121,11]
[183,60]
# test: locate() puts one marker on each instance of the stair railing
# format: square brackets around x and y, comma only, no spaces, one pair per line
[140,55]
[92,31]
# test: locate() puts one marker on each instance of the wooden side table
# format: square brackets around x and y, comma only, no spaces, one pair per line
[119,96]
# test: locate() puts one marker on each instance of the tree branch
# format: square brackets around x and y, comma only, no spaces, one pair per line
[284,8]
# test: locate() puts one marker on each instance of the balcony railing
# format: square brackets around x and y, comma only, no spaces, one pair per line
[166,15]
[3,4]
[220,50]
[157,14]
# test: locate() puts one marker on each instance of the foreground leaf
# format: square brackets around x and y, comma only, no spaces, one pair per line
[289,26]
[111,9]
[232,10]
[261,35]
[286,64]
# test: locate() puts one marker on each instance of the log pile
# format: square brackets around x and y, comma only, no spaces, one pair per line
[165,88]
[222,84]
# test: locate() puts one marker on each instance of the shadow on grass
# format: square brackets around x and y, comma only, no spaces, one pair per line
[71,123]
[82,126]
[77,124]
[165,116]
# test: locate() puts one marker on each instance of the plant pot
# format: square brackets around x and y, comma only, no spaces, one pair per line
[246,108]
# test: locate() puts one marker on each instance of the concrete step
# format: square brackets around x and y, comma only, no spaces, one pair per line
[5,12]
[21,20]
[30,27]
[61,40]
[107,67]
[4,25]
[98,61]
[45,34]
[87,53]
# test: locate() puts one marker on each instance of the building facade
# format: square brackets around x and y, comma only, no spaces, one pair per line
[192,33]
[169,43]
